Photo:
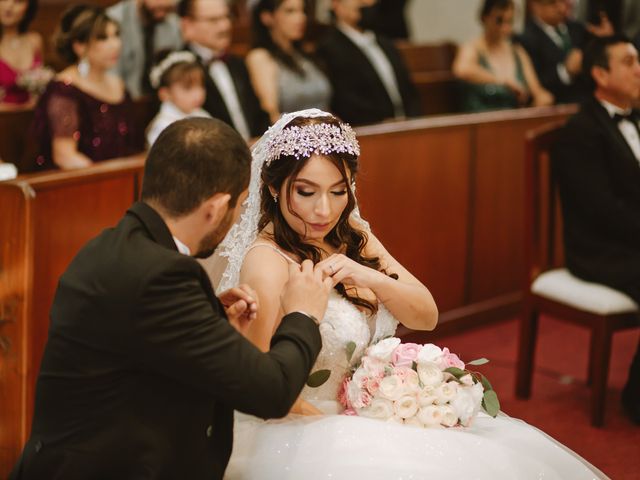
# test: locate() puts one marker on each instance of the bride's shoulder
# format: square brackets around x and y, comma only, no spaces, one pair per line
[265,258]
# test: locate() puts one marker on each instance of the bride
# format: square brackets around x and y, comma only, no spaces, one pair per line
[302,204]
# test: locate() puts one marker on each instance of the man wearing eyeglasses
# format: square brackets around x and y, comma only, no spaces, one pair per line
[146,27]
[206,27]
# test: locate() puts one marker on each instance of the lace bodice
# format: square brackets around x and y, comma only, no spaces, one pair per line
[344,323]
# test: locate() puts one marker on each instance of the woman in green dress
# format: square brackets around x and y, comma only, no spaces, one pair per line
[495,73]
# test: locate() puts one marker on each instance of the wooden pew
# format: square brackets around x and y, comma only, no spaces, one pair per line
[430,66]
[443,194]
[46,218]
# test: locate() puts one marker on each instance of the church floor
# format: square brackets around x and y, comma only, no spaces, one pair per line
[559,404]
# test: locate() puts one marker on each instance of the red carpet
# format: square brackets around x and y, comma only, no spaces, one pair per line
[559,404]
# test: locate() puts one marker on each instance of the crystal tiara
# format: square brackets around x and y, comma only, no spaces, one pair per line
[172,59]
[304,141]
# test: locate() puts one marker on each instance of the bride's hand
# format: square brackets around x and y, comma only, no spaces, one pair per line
[241,306]
[342,269]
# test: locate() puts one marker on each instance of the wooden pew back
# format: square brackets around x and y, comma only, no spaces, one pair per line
[46,219]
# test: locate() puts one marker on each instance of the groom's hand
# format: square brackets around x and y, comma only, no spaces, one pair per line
[241,306]
[306,291]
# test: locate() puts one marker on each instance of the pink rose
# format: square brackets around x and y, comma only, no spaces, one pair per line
[405,354]
[350,412]
[372,383]
[451,359]
[343,398]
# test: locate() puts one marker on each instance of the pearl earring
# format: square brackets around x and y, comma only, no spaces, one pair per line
[275,197]
[83,68]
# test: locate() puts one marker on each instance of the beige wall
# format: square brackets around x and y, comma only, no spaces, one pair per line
[448,20]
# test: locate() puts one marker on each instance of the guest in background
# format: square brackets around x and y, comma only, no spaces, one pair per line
[206,27]
[369,78]
[20,51]
[597,165]
[146,28]
[179,80]
[283,76]
[495,73]
[85,114]
[555,45]
[390,19]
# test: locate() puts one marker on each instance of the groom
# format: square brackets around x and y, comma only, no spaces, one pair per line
[142,371]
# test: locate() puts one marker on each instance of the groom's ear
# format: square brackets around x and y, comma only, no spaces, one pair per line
[215,208]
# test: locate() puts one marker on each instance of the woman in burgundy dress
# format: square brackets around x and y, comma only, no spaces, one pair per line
[20,52]
[85,115]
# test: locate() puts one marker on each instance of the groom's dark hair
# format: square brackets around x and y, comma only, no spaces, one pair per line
[192,160]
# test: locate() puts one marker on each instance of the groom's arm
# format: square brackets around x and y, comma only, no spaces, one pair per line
[180,334]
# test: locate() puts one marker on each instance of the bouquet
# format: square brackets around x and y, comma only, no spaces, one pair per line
[35,80]
[420,385]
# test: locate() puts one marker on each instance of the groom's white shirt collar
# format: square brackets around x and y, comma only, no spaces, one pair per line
[182,248]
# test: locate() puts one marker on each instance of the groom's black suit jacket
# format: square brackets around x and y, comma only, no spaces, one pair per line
[599,181]
[142,370]
[359,96]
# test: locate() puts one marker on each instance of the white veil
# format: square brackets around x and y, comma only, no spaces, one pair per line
[231,251]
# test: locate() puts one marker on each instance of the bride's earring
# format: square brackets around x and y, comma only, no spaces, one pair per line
[275,198]
[83,67]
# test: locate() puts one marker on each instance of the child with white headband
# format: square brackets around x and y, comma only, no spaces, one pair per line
[179,80]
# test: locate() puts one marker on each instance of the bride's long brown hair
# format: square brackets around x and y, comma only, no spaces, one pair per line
[344,237]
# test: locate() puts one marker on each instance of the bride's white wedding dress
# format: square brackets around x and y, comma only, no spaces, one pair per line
[336,446]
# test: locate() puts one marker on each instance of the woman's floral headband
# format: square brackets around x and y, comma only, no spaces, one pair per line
[172,59]
[304,141]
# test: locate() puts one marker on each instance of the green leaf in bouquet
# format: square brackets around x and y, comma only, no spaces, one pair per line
[478,361]
[456,372]
[490,402]
[485,383]
[414,366]
[351,347]
[318,377]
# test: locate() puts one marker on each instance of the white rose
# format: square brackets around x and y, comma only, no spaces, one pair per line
[430,373]
[383,349]
[467,403]
[449,417]
[426,396]
[391,387]
[446,392]
[411,382]
[413,421]
[466,380]
[406,406]
[429,353]
[372,366]
[430,416]
[379,408]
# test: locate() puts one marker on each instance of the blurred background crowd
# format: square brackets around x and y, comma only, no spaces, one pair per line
[88,69]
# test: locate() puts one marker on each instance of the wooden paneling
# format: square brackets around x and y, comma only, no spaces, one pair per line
[413,188]
[14,308]
[46,219]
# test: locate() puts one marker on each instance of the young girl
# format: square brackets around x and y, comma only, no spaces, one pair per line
[179,80]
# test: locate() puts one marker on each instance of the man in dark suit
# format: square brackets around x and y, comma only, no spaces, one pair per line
[142,368]
[597,161]
[206,27]
[369,78]
[555,44]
